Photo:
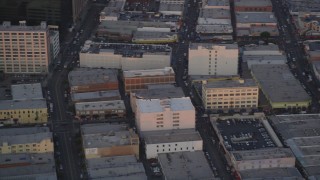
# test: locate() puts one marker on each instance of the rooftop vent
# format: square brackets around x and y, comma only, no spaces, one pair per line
[6,24]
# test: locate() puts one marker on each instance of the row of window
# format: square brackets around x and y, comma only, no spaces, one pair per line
[237,94]
[19,112]
[232,102]
[230,90]
[175,149]
[231,106]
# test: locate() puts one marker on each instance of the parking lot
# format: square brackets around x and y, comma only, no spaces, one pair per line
[244,134]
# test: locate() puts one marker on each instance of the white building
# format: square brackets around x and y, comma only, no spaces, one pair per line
[169,141]
[213,59]
[125,56]
[24,49]
[155,114]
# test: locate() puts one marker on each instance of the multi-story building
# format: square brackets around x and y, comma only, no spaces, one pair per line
[125,56]
[54,44]
[312,49]
[26,140]
[280,87]
[78,7]
[105,140]
[92,79]
[26,91]
[172,1]
[161,92]
[215,4]
[111,11]
[229,94]
[213,59]
[24,49]
[166,114]
[168,141]
[253,6]
[101,109]
[140,79]
[32,111]
[96,96]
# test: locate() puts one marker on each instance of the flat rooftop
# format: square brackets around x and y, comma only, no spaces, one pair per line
[272,173]
[145,35]
[171,7]
[264,58]
[156,105]
[96,95]
[244,132]
[265,48]
[255,17]
[314,46]
[106,135]
[185,165]
[150,72]
[23,104]
[278,83]
[269,153]
[116,167]
[217,3]
[214,29]
[24,135]
[296,125]
[159,93]
[85,76]
[126,50]
[215,13]
[26,158]
[100,105]
[26,91]
[253,3]
[195,46]
[36,171]
[211,21]
[170,136]
[7,26]
[231,84]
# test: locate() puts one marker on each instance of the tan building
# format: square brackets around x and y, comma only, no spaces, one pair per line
[92,79]
[230,94]
[23,112]
[139,79]
[105,140]
[24,49]
[26,140]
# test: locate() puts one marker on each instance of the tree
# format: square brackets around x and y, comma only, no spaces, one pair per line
[265,36]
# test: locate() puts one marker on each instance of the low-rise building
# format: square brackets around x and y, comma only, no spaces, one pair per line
[166,114]
[101,109]
[215,4]
[185,165]
[271,173]
[91,79]
[125,56]
[112,10]
[281,88]
[139,79]
[213,59]
[262,159]
[31,111]
[26,140]
[171,9]
[157,93]
[253,6]
[146,37]
[105,140]
[263,59]
[312,49]
[262,50]
[230,95]
[168,141]
[28,166]
[116,167]
[96,96]
[26,91]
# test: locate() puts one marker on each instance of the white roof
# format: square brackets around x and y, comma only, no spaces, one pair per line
[156,105]
[23,104]
[150,72]
[100,105]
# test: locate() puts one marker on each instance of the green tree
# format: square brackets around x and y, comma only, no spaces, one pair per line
[265,36]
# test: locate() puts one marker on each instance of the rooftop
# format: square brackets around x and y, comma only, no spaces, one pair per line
[125,50]
[100,105]
[278,83]
[216,13]
[170,136]
[264,58]
[253,3]
[85,76]
[25,158]
[159,93]
[171,7]
[269,153]
[150,72]
[223,23]
[116,167]
[271,173]
[185,165]
[96,95]
[36,171]
[106,135]
[296,125]
[255,17]
[26,91]
[23,104]
[214,29]
[314,46]
[24,135]
[156,105]
[231,84]
[216,3]
[245,132]
[153,35]
[261,48]
[6,26]
[211,46]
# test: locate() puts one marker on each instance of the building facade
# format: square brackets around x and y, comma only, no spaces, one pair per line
[24,49]
[140,79]
[213,59]
[227,94]
[253,6]
[155,114]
